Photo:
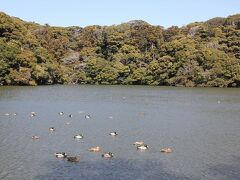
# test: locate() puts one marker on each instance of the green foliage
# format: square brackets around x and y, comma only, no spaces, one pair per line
[199,54]
[8,53]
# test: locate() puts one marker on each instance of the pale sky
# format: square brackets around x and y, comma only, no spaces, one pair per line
[108,12]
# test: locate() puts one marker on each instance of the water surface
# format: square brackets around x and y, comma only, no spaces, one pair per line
[201,125]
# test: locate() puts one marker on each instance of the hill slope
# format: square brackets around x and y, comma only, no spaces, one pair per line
[199,54]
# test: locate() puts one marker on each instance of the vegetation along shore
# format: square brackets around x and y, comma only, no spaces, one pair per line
[198,54]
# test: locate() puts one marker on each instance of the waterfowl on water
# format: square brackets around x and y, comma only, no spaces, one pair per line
[61,113]
[113,133]
[142,147]
[78,136]
[73,159]
[70,115]
[35,137]
[33,114]
[51,129]
[94,149]
[107,155]
[87,116]
[14,114]
[60,155]
[166,150]
[138,143]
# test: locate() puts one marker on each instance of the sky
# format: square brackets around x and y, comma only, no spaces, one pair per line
[108,12]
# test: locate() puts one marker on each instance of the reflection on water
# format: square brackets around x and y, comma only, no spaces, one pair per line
[112,169]
[201,125]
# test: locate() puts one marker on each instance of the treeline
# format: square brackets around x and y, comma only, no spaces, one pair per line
[199,54]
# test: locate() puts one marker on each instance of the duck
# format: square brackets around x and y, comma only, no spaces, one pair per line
[73,159]
[88,116]
[14,114]
[51,129]
[113,133]
[107,155]
[142,147]
[61,113]
[60,155]
[166,150]
[33,114]
[94,149]
[70,115]
[138,143]
[78,136]
[35,137]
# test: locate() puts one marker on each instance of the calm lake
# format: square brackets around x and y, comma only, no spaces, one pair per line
[201,125]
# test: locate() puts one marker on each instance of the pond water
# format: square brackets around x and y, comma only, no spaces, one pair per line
[201,125]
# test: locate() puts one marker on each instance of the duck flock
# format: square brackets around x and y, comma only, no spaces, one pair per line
[139,145]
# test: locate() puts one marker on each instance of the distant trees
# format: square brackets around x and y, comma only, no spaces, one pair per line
[199,54]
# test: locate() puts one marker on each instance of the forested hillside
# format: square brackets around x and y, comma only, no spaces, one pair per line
[198,54]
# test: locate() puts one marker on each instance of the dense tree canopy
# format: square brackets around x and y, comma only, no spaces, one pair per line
[199,54]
